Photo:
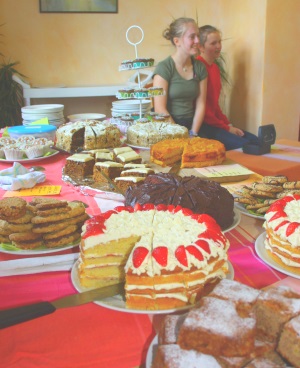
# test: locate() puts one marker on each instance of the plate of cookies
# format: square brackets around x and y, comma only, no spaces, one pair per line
[254,200]
[44,225]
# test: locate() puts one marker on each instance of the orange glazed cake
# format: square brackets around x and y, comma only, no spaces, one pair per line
[168,255]
[282,224]
[193,152]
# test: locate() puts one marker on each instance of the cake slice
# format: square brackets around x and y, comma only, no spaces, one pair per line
[79,165]
[289,342]
[106,169]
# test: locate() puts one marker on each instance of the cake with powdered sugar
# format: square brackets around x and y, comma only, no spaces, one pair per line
[87,135]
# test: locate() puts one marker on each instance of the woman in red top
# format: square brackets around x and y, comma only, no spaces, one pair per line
[215,124]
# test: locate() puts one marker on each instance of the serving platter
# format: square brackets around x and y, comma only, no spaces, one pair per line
[264,256]
[244,211]
[29,160]
[236,221]
[117,302]
[11,249]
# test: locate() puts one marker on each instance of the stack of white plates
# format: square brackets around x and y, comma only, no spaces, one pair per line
[54,113]
[128,107]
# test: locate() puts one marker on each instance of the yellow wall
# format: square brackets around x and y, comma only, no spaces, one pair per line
[86,49]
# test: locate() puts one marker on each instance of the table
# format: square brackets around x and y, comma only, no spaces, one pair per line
[284,159]
[90,335]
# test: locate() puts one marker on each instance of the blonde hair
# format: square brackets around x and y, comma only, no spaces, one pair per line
[177,28]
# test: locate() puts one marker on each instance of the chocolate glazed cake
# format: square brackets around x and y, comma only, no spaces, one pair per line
[201,196]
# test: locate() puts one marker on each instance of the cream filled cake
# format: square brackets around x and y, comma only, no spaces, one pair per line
[282,224]
[167,255]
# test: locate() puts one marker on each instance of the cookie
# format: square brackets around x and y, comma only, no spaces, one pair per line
[25,219]
[53,211]
[12,207]
[49,227]
[47,203]
[262,194]
[262,210]
[31,244]
[267,187]
[24,236]
[78,219]
[291,185]
[286,192]
[63,240]
[275,180]
[6,228]
[256,206]
[4,239]
[245,200]
[76,210]
[65,231]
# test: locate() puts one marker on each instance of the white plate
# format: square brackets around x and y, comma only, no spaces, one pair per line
[89,116]
[137,147]
[151,352]
[245,212]
[117,303]
[236,221]
[263,255]
[26,252]
[40,109]
[28,160]
[129,104]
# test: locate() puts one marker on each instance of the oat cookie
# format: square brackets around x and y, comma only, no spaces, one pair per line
[267,187]
[49,227]
[291,185]
[12,207]
[6,228]
[64,240]
[262,194]
[47,203]
[76,210]
[275,180]
[24,236]
[25,219]
[31,244]
[53,211]
[245,200]
[65,231]
[4,239]
[286,192]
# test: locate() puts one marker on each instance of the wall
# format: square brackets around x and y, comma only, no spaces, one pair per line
[86,49]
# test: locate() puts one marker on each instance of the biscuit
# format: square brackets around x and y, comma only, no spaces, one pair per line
[52,211]
[63,240]
[277,179]
[12,207]
[245,200]
[49,227]
[31,244]
[47,203]
[262,194]
[255,206]
[267,187]
[65,231]
[78,219]
[286,192]
[7,228]
[76,210]
[4,239]
[25,219]
[291,185]
[262,210]
[24,236]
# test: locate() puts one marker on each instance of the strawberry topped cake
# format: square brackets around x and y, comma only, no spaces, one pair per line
[167,255]
[282,224]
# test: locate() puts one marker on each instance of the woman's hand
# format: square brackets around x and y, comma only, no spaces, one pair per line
[236,131]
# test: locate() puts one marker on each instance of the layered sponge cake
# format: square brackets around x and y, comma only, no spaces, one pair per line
[283,232]
[168,255]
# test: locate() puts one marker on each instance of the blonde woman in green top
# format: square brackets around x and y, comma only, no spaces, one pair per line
[183,78]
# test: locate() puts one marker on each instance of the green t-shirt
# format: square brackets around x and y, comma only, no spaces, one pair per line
[182,93]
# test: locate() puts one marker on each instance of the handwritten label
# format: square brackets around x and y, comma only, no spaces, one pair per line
[220,171]
[41,190]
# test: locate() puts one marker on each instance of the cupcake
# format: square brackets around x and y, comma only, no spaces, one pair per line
[7,141]
[141,93]
[125,65]
[155,91]
[126,93]
[34,151]
[13,153]
[27,139]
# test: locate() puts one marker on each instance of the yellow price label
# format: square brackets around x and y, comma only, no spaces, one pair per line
[41,190]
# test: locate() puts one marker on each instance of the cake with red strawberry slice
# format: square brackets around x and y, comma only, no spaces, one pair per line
[167,255]
[282,224]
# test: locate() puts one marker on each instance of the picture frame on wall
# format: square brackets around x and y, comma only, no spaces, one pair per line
[78,6]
